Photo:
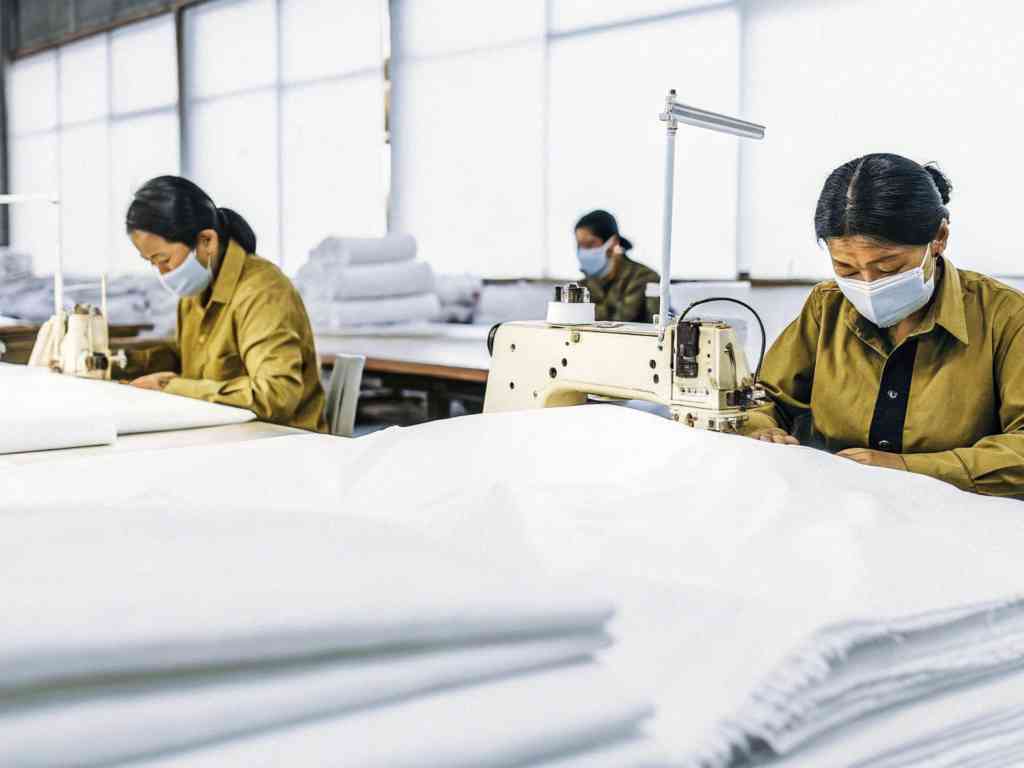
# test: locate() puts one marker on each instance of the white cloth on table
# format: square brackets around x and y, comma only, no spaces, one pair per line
[323,281]
[514,722]
[129,410]
[44,426]
[100,723]
[365,250]
[769,593]
[401,309]
[638,752]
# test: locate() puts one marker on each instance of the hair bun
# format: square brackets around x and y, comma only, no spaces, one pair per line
[942,182]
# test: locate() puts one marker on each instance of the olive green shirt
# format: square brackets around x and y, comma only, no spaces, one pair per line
[247,343]
[623,296]
[963,403]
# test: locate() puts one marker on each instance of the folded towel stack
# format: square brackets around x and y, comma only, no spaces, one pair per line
[156,634]
[502,302]
[460,296]
[367,281]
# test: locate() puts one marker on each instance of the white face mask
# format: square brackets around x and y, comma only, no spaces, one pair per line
[887,301]
[189,279]
[594,261]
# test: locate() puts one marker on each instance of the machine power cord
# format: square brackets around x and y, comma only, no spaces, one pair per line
[760,359]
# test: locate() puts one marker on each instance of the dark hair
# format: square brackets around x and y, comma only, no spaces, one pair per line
[884,197]
[178,210]
[603,225]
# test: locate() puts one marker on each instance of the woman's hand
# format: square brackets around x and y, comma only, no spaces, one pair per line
[774,435]
[154,381]
[871,458]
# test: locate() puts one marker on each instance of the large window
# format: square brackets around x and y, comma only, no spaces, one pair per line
[286,121]
[933,81]
[513,119]
[91,121]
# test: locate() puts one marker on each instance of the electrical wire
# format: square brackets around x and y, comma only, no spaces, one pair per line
[764,337]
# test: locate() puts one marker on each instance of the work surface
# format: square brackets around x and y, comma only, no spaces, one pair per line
[733,562]
[453,352]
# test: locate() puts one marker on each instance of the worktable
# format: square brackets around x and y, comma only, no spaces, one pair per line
[232,433]
[18,340]
[445,361]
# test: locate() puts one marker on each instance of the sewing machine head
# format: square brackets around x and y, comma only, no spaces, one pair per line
[77,343]
[696,367]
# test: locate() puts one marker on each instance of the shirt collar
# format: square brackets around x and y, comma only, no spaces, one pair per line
[947,310]
[230,272]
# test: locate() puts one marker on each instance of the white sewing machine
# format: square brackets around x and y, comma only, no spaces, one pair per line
[76,343]
[694,367]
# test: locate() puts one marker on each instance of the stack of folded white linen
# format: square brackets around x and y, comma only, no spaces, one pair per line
[460,296]
[522,300]
[779,605]
[132,299]
[41,410]
[367,281]
[139,631]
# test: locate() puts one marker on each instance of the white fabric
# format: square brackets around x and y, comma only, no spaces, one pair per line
[742,567]
[365,250]
[400,309]
[322,281]
[128,410]
[124,719]
[634,753]
[43,426]
[930,732]
[8,321]
[142,567]
[505,724]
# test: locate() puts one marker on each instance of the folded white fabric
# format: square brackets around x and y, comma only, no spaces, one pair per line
[505,724]
[323,281]
[638,752]
[400,309]
[365,250]
[461,290]
[960,727]
[109,406]
[147,582]
[45,425]
[112,721]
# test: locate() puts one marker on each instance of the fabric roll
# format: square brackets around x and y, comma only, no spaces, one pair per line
[365,250]
[320,281]
[401,309]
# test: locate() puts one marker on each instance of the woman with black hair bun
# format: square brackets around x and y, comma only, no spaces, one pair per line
[902,360]
[617,284]
[244,338]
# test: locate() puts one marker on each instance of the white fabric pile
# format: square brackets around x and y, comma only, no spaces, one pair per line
[143,631]
[772,596]
[41,410]
[459,296]
[137,299]
[367,281]
[503,302]
[778,604]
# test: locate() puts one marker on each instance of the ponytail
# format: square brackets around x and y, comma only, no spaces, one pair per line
[237,228]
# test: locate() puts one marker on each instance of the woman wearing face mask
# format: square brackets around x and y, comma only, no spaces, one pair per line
[902,361]
[244,338]
[617,284]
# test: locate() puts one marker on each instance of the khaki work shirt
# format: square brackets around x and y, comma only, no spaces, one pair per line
[949,398]
[248,343]
[622,297]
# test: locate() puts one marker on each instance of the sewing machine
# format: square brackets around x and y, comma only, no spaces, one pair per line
[76,343]
[695,367]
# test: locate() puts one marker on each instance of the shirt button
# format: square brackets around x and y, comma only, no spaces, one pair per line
[893,394]
[202,339]
[885,445]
